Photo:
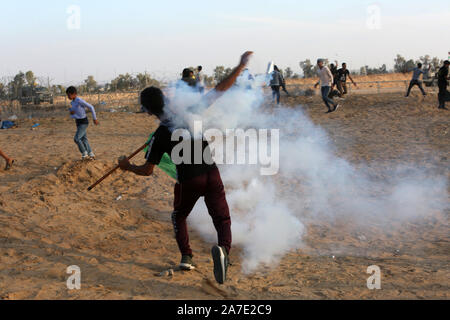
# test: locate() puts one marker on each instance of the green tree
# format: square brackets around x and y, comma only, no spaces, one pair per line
[16,85]
[308,68]
[2,91]
[425,60]
[123,82]
[410,65]
[288,73]
[30,78]
[58,89]
[90,84]
[399,65]
[145,80]
[220,73]
[402,65]
[208,80]
[436,63]
[366,70]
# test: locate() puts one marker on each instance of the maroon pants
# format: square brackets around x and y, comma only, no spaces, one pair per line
[210,186]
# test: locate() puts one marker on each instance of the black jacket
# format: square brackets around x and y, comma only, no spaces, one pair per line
[442,77]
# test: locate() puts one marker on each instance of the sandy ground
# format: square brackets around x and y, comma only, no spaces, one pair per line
[48,220]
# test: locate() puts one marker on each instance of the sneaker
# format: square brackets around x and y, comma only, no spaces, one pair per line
[220,258]
[442,107]
[329,111]
[84,156]
[337,107]
[92,155]
[186,263]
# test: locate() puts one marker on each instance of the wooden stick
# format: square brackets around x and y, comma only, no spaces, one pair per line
[110,172]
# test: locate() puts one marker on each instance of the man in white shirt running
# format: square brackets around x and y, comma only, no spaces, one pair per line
[326,81]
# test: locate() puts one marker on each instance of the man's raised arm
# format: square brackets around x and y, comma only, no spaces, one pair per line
[229,81]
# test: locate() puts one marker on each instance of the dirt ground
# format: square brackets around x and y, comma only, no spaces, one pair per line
[48,220]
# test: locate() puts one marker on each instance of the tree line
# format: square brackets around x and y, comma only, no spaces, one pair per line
[26,83]
[309,68]
[126,82]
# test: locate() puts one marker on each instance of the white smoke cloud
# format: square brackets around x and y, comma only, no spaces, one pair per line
[270,214]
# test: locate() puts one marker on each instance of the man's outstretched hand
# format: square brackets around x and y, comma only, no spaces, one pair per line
[229,81]
[246,58]
[124,163]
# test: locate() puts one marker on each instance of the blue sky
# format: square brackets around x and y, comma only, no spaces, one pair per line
[162,37]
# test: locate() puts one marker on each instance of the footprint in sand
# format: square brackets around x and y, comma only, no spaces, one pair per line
[211,288]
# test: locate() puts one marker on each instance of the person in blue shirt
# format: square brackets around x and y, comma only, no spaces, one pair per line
[417,72]
[78,112]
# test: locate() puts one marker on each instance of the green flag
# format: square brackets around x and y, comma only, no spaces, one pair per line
[166,163]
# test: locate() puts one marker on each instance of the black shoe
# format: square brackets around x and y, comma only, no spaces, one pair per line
[329,111]
[187,264]
[9,165]
[220,258]
[442,108]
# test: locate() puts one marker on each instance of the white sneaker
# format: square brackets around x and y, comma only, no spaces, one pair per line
[84,156]
[92,155]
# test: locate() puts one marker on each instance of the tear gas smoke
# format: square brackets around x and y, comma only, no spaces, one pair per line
[270,213]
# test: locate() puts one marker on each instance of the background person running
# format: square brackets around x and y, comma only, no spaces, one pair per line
[276,82]
[194,180]
[334,72]
[283,80]
[333,91]
[443,83]
[341,80]
[326,81]
[417,72]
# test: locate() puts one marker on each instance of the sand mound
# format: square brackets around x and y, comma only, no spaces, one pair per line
[84,172]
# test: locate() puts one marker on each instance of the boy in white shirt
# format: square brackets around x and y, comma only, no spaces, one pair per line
[78,112]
